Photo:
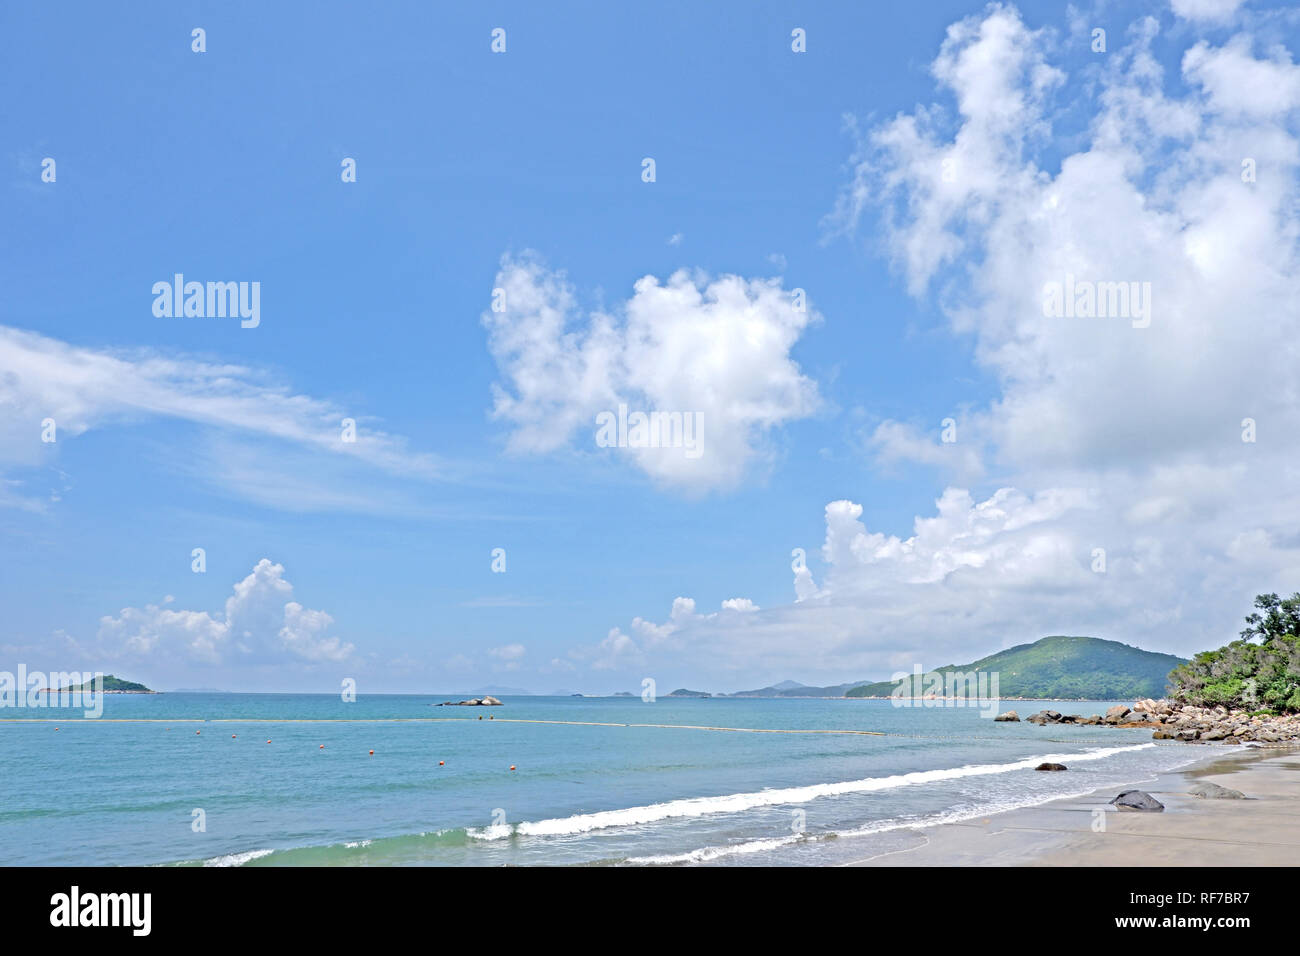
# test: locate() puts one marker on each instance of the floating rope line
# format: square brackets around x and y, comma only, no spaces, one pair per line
[494,719]
[425,720]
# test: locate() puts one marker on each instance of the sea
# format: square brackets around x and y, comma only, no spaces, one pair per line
[200,779]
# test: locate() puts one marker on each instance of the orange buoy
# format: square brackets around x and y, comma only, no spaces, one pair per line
[442,763]
[197,733]
[232,736]
[512,766]
[268,740]
[322,746]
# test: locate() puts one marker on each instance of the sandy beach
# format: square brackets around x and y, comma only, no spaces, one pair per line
[1262,830]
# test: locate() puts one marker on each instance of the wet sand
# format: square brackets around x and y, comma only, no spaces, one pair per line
[1263,830]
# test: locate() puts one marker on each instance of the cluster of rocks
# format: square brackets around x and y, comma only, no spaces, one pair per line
[1117,716]
[472,702]
[1185,722]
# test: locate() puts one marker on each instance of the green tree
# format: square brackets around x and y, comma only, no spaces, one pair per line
[1258,671]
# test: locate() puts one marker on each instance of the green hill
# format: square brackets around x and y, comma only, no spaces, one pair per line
[1080,668]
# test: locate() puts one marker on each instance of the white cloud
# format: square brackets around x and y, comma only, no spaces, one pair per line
[739,604]
[1206,10]
[261,624]
[83,388]
[615,652]
[715,347]
[893,442]
[1168,209]
[1104,437]
[1235,82]
[508,656]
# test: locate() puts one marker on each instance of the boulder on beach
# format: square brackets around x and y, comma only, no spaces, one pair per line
[1010,715]
[1051,766]
[1162,735]
[1212,791]
[1137,800]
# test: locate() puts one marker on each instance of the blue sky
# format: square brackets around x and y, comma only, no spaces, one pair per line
[479,170]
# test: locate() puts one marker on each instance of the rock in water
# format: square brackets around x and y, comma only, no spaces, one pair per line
[1010,715]
[1051,766]
[472,702]
[1137,800]
[1212,791]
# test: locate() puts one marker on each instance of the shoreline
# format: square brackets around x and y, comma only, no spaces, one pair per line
[1262,830]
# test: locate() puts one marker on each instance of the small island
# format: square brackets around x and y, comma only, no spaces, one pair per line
[112,685]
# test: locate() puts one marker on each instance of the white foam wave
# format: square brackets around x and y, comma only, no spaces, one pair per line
[740,802]
[237,859]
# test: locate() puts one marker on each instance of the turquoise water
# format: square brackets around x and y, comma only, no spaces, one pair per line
[113,793]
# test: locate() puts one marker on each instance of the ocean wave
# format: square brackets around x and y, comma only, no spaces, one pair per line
[237,859]
[740,802]
[709,854]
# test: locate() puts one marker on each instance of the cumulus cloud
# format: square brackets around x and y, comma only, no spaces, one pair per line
[620,651]
[1235,82]
[1127,504]
[1151,199]
[261,624]
[714,347]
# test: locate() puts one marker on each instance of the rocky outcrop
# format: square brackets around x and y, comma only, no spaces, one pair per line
[472,702]
[1212,791]
[1137,800]
[1186,723]
[1010,715]
[1051,766]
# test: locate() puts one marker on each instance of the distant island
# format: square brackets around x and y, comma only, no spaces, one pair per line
[112,685]
[683,692]
[1052,668]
